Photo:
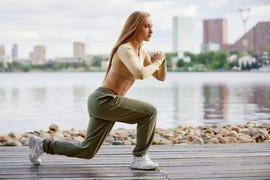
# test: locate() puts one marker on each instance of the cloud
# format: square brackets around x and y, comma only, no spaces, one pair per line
[57,24]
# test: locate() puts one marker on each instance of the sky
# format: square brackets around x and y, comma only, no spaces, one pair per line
[98,23]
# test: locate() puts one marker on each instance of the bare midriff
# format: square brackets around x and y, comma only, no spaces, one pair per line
[117,83]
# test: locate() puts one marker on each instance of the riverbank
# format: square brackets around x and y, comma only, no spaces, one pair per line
[215,134]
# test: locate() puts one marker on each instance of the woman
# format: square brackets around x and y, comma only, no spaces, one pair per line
[107,104]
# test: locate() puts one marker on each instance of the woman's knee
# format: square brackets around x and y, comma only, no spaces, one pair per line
[151,110]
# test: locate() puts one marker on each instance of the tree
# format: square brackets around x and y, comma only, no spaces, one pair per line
[267,49]
[169,57]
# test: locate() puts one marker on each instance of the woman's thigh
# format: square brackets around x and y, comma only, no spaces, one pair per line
[118,108]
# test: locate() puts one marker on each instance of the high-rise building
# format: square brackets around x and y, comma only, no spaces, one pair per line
[14,52]
[214,33]
[38,55]
[2,54]
[183,34]
[79,50]
[257,39]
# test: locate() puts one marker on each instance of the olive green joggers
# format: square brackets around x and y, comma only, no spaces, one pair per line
[105,108]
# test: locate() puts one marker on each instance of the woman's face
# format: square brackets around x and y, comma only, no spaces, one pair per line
[145,30]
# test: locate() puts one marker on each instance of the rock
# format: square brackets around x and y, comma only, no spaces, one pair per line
[109,139]
[57,135]
[266,141]
[72,132]
[127,142]
[191,137]
[164,141]
[236,129]
[24,141]
[206,139]
[156,140]
[133,141]
[214,141]
[82,134]
[266,127]
[245,139]
[232,134]
[5,138]
[230,140]
[222,140]
[120,136]
[183,141]
[215,134]
[258,138]
[78,139]
[118,143]
[197,141]
[173,140]
[248,131]
[13,142]
[208,131]
[53,127]
[262,131]
[45,135]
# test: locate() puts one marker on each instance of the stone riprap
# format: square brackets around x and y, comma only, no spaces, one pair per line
[215,134]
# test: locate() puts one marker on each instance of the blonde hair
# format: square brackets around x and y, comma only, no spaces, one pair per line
[129,32]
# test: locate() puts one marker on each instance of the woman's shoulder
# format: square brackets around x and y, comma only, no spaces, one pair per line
[125,46]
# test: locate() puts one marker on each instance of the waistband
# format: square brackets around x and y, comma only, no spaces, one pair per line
[105,90]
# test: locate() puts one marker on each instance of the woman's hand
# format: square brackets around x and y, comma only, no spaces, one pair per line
[159,55]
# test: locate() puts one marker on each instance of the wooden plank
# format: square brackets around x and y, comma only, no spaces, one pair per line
[235,161]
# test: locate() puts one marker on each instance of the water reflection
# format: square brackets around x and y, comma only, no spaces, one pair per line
[184,99]
[3,94]
[260,101]
[261,98]
[14,94]
[203,104]
[190,104]
[80,94]
[38,96]
[175,102]
[215,102]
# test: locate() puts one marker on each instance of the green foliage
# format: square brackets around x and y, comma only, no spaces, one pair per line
[250,52]
[1,65]
[96,61]
[210,60]
[169,57]
[16,66]
[267,49]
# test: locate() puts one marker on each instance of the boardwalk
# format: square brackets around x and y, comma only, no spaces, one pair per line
[237,161]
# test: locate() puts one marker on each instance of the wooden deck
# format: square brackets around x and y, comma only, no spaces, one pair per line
[237,161]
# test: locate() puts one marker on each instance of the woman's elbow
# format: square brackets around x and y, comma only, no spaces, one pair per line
[140,75]
[161,79]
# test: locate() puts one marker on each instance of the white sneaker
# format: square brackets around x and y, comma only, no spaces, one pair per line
[36,149]
[143,162]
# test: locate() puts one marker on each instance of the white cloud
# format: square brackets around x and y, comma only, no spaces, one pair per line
[57,24]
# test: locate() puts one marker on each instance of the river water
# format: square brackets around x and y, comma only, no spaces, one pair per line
[33,101]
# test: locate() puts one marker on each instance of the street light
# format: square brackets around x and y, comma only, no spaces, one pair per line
[244,14]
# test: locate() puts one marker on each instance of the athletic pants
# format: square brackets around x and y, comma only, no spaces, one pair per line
[105,108]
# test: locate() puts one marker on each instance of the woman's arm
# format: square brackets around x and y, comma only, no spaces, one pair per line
[159,74]
[132,62]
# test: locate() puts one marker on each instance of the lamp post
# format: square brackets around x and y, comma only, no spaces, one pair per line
[244,14]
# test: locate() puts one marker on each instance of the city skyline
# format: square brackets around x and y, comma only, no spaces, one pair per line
[57,25]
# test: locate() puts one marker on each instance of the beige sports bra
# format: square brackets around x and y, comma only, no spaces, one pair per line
[131,64]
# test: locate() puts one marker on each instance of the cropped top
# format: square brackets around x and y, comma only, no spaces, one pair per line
[132,61]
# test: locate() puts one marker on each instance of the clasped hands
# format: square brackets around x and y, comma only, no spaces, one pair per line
[158,56]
